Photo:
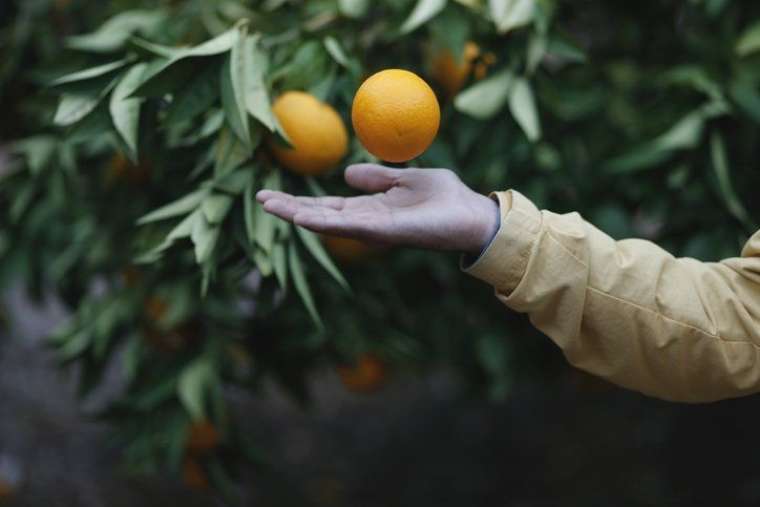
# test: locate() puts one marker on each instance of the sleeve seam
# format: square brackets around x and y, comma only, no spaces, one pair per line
[650,310]
[670,319]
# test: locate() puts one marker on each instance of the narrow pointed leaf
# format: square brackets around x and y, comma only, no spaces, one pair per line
[486,98]
[314,246]
[204,238]
[423,11]
[723,174]
[83,75]
[336,51]
[240,68]
[511,14]
[522,104]
[215,208]
[302,285]
[179,207]
[280,264]
[73,108]
[125,111]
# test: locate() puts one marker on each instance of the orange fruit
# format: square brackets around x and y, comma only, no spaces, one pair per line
[202,438]
[131,276]
[317,134]
[345,249]
[395,115]
[452,74]
[193,475]
[6,490]
[155,309]
[120,168]
[366,376]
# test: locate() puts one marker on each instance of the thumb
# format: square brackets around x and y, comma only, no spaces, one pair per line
[371,177]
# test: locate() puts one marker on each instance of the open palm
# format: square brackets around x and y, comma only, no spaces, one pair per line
[426,208]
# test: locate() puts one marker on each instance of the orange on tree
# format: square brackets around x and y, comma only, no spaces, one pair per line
[346,249]
[452,75]
[120,168]
[365,376]
[193,475]
[396,115]
[317,134]
[202,438]
[6,491]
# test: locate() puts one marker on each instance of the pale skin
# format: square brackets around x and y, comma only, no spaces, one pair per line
[421,208]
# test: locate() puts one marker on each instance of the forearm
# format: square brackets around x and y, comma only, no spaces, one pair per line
[628,311]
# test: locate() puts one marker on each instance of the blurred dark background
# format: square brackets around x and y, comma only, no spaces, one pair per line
[472,407]
[420,441]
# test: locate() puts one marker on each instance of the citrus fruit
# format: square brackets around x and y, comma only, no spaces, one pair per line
[193,475]
[450,73]
[345,249]
[365,376]
[121,169]
[396,115]
[202,438]
[316,132]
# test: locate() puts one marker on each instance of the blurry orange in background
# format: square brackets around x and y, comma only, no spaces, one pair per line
[121,169]
[202,438]
[367,375]
[347,250]
[193,475]
[6,491]
[452,75]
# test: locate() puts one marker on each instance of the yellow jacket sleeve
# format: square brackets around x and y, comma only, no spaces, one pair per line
[628,311]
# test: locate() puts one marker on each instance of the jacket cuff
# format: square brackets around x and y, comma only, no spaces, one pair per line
[505,260]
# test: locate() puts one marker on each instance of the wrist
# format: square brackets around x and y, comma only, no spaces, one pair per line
[489,223]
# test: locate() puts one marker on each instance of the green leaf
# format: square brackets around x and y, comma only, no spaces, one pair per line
[423,11]
[215,208]
[237,181]
[230,153]
[204,237]
[643,157]
[314,246]
[256,95]
[486,98]
[38,151]
[125,111]
[235,85]
[167,73]
[749,42]
[336,51]
[523,107]
[280,264]
[194,99]
[301,284]
[265,227]
[263,262]
[195,381]
[115,32]
[249,211]
[353,8]
[686,133]
[511,14]
[563,48]
[131,357]
[179,207]
[726,187]
[73,108]
[92,73]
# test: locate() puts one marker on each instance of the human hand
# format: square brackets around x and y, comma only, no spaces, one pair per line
[425,208]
